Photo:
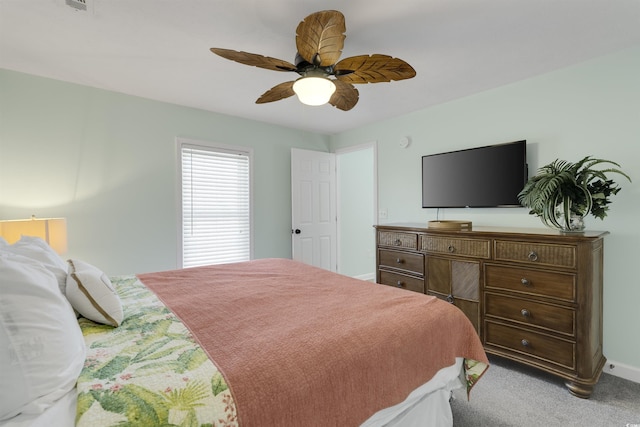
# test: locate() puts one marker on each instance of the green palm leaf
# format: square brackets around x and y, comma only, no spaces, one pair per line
[218,384]
[189,397]
[140,406]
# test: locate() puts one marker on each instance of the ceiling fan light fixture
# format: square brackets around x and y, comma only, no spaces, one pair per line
[314,90]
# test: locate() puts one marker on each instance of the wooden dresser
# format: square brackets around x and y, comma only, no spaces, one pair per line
[534,295]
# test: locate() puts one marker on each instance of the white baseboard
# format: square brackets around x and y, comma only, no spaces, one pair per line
[370,277]
[621,370]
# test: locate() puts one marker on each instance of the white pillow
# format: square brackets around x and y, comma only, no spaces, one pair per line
[42,350]
[91,293]
[37,249]
[3,243]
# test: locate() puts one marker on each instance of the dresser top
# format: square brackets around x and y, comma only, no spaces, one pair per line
[492,230]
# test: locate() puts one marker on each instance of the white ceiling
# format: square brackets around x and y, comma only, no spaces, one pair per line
[159,49]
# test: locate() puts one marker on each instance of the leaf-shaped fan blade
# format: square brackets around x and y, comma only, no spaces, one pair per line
[276,93]
[320,37]
[254,59]
[345,97]
[373,69]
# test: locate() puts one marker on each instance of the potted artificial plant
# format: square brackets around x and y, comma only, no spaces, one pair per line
[563,193]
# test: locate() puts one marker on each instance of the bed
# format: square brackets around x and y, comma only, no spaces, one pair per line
[259,343]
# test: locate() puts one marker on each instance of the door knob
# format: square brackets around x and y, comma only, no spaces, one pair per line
[297,231]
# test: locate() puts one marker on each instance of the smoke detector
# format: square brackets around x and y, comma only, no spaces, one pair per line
[77,4]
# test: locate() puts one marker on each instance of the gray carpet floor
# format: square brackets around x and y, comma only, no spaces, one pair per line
[510,394]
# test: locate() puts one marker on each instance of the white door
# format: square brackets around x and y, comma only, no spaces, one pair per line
[313,208]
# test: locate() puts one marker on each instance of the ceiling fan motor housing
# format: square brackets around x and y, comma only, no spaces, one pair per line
[307,69]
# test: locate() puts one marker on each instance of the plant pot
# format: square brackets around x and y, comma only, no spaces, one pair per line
[565,216]
[575,223]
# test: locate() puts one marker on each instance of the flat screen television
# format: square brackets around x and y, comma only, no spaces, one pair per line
[490,176]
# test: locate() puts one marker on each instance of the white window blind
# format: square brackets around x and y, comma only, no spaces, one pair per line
[216,217]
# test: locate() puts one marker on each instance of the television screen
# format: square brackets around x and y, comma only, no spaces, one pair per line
[488,176]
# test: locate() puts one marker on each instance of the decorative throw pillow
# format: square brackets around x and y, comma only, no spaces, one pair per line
[37,249]
[42,350]
[91,293]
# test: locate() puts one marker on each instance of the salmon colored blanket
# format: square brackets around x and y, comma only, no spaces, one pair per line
[302,346]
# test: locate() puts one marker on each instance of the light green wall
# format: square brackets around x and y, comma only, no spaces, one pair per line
[589,109]
[107,162]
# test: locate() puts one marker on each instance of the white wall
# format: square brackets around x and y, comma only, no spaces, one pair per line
[589,109]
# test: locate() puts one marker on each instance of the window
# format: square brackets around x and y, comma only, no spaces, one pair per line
[216,206]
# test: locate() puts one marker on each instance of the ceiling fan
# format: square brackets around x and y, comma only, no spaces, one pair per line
[319,40]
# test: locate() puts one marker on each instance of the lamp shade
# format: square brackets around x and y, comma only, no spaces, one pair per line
[51,230]
[314,90]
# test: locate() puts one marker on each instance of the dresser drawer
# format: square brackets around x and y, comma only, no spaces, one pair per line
[476,248]
[552,318]
[536,253]
[402,281]
[401,260]
[548,284]
[398,239]
[531,344]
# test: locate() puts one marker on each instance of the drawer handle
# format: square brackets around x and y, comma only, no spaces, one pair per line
[525,343]
[399,261]
[450,299]
[400,284]
[398,242]
[525,282]
[525,312]
[533,256]
[451,249]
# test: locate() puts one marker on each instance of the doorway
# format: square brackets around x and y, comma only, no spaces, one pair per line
[334,209]
[357,208]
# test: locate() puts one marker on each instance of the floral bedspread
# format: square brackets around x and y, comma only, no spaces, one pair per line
[471,373]
[149,371]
